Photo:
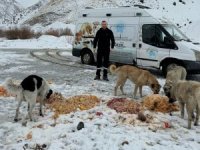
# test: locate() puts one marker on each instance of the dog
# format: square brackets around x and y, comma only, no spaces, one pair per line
[186,93]
[174,73]
[138,76]
[29,90]
[86,29]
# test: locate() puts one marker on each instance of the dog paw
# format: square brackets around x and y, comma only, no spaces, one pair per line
[34,120]
[16,120]
[41,115]
[196,124]
[24,123]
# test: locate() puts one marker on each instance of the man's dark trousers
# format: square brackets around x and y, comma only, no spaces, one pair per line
[102,61]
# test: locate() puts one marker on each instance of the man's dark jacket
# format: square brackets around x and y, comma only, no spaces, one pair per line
[103,37]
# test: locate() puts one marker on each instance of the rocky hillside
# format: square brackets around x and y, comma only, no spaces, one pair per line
[15,11]
[9,10]
[184,13]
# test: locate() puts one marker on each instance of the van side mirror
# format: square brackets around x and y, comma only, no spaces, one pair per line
[169,43]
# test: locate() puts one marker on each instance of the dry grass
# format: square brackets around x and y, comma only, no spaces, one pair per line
[19,33]
[66,32]
[26,33]
[2,33]
[52,32]
[12,34]
[59,32]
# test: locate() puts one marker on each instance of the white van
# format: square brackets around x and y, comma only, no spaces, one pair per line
[141,39]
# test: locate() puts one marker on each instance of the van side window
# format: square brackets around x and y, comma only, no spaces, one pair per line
[148,34]
[153,35]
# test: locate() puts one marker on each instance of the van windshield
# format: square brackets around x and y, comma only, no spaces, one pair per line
[175,32]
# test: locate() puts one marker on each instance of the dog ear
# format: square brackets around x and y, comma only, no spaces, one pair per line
[170,82]
[49,93]
[171,100]
[152,86]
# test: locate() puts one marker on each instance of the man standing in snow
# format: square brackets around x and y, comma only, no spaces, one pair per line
[104,37]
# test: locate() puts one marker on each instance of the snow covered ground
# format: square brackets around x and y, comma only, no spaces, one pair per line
[106,132]
[43,42]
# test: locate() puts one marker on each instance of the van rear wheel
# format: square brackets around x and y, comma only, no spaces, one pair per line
[87,58]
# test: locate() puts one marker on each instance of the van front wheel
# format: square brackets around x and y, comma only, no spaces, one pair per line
[87,58]
[168,66]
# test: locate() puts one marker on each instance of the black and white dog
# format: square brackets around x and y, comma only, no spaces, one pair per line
[30,88]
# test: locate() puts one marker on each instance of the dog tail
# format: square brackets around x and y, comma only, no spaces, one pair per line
[113,69]
[11,87]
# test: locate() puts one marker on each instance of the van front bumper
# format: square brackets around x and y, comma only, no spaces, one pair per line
[192,66]
[76,52]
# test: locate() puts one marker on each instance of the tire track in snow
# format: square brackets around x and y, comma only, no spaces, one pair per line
[54,56]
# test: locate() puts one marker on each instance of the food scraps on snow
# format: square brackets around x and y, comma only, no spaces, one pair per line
[3,92]
[125,105]
[141,117]
[29,136]
[62,105]
[159,103]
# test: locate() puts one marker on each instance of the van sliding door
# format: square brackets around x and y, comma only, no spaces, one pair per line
[126,37]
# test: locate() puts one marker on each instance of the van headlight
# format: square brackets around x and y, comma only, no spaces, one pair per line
[197,55]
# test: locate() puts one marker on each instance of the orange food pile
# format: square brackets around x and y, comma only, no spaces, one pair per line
[3,92]
[55,98]
[64,106]
[159,103]
[125,105]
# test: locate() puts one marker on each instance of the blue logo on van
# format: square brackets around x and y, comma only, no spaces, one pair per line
[152,54]
[120,28]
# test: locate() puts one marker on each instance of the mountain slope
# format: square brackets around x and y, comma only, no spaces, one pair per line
[183,13]
[9,10]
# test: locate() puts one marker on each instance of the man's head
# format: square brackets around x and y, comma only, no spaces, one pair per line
[104,24]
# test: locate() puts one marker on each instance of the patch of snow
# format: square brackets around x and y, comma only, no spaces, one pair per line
[27,3]
[44,42]
[60,25]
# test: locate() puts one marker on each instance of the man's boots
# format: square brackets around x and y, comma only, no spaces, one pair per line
[97,77]
[105,75]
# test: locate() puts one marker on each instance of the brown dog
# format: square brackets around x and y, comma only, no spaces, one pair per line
[186,92]
[138,76]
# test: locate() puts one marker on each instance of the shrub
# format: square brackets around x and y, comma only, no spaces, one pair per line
[52,32]
[26,33]
[16,33]
[12,34]
[64,32]
[59,32]
[2,33]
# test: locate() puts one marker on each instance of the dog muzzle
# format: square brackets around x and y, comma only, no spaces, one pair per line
[49,94]
[171,100]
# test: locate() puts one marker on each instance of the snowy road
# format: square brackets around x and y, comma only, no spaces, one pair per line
[53,66]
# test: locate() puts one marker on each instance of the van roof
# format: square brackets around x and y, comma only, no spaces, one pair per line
[114,12]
